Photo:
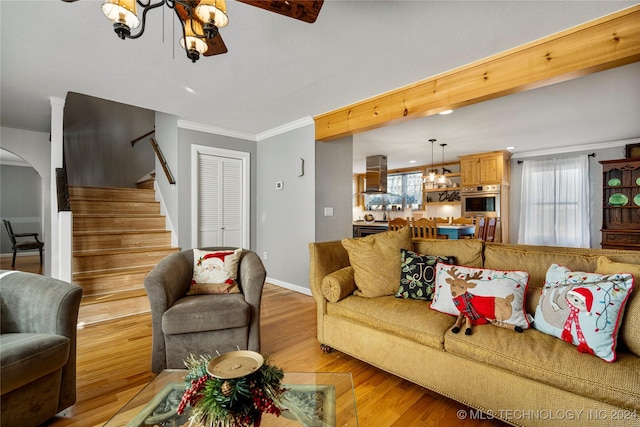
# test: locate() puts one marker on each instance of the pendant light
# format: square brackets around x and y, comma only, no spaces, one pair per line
[442,180]
[429,180]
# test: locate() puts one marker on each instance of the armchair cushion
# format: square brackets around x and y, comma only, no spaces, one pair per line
[26,358]
[206,313]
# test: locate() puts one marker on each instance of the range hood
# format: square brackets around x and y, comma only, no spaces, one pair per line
[376,175]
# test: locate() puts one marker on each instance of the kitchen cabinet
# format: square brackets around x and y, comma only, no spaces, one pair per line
[485,168]
[621,204]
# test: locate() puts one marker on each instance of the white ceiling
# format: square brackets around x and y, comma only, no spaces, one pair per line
[279,70]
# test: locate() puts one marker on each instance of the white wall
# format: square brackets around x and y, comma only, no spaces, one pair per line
[286,217]
[166,136]
[34,147]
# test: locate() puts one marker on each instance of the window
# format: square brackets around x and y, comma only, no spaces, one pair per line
[554,205]
[403,191]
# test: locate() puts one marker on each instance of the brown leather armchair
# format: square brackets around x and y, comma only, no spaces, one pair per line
[202,324]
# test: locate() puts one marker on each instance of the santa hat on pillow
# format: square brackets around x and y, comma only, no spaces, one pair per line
[583,294]
[219,255]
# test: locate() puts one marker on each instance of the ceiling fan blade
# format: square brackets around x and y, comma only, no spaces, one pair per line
[303,10]
[215,46]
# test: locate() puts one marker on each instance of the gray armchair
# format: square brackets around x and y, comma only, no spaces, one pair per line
[202,324]
[38,347]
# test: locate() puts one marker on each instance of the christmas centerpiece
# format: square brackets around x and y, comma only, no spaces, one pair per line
[231,390]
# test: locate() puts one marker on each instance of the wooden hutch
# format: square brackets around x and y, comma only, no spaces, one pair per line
[621,204]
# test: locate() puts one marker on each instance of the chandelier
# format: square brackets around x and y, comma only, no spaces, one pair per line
[200,20]
[429,180]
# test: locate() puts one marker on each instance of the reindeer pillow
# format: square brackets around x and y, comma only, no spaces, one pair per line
[492,294]
[584,309]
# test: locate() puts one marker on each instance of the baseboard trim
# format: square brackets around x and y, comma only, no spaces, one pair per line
[290,286]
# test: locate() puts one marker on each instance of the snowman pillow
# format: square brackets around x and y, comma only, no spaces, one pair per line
[215,272]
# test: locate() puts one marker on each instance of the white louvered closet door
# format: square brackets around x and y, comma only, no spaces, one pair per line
[220,201]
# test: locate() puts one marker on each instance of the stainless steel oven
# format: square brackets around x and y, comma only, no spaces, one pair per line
[482,200]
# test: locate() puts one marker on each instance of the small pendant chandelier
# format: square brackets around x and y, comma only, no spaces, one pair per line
[442,180]
[429,180]
[200,20]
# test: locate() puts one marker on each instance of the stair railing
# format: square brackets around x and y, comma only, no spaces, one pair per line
[163,161]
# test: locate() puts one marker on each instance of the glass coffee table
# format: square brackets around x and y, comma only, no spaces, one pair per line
[320,399]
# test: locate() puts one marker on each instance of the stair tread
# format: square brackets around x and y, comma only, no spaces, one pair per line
[84,275]
[108,232]
[115,251]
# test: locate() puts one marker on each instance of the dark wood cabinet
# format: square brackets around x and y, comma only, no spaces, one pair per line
[621,204]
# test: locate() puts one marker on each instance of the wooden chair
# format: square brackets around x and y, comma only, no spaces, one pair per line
[396,224]
[490,230]
[31,244]
[465,221]
[424,228]
[441,220]
[481,223]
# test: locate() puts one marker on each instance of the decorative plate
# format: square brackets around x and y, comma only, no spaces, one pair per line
[614,182]
[638,180]
[235,364]
[618,199]
[636,199]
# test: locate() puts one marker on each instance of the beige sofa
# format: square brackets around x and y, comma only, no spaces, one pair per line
[528,378]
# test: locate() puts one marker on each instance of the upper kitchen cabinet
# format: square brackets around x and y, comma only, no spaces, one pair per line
[485,168]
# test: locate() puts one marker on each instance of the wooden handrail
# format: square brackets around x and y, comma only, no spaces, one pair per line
[163,162]
[140,138]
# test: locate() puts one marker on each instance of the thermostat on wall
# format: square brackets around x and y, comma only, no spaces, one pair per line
[279,185]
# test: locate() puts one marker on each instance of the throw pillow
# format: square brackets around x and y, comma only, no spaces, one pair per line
[584,309]
[629,332]
[215,272]
[417,277]
[376,262]
[490,294]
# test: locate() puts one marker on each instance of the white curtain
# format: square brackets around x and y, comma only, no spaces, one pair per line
[554,204]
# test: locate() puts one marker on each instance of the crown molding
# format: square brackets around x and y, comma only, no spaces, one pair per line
[287,127]
[574,148]
[184,124]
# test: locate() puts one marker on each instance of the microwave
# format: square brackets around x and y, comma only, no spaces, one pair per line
[480,201]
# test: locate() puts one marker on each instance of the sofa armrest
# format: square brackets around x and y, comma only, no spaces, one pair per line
[338,284]
[165,284]
[33,303]
[325,258]
[251,277]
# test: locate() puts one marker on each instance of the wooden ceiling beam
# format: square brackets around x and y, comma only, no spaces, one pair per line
[607,42]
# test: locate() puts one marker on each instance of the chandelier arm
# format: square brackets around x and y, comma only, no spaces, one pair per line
[147,8]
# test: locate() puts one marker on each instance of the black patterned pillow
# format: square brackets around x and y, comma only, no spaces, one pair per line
[417,275]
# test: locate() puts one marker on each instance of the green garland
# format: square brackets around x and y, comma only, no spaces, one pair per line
[237,402]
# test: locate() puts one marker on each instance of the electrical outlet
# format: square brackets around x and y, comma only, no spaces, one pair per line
[264,255]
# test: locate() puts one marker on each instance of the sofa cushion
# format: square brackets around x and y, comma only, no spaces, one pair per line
[584,309]
[418,274]
[338,284]
[629,333]
[215,272]
[408,318]
[206,313]
[541,357]
[26,357]
[482,293]
[376,261]
[467,252]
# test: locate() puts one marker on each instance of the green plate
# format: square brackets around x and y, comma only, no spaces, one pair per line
[636,199]
[618,199]
[614,182]
[638,180]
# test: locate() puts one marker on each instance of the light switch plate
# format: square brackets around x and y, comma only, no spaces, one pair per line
[328,211]
[279,185]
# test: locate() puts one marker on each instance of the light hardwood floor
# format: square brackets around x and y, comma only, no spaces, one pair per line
[114,361]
